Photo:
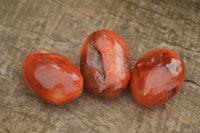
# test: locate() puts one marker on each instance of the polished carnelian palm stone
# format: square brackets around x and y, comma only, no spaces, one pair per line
[52,77]
[105,64]
[157,77]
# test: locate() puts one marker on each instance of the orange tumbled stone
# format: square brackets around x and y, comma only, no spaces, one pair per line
[52,77]
[105,64]
[157,77]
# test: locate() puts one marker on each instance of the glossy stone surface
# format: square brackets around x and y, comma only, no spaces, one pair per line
[105,64]
[157,77]
[52,77]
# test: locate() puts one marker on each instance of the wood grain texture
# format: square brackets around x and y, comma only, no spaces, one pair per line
[62,26]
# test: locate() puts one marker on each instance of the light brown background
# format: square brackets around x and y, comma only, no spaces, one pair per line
[62,26]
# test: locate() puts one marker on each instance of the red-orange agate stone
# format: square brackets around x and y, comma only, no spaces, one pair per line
[105,64]
[157,77]
[52,77]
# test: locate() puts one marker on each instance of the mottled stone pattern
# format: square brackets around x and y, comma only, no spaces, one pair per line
[62,26]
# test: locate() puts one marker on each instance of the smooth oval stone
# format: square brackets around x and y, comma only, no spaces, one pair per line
[52,77]
[157,77]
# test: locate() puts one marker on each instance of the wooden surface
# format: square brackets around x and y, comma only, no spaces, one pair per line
[62,26]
